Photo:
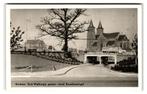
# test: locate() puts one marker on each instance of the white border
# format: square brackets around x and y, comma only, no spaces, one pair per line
[8,64]
[45,6]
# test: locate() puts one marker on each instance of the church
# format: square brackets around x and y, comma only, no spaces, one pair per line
[98,40]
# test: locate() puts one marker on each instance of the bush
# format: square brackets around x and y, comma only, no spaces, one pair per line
[126,66]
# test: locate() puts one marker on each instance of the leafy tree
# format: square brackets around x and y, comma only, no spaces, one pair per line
[135,47]
[63,24]
[16,38]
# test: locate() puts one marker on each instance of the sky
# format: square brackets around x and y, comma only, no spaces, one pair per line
[112,19]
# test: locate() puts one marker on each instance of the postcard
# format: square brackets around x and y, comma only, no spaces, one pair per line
[69,45]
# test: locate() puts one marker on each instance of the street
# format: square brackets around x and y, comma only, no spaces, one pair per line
[85,75]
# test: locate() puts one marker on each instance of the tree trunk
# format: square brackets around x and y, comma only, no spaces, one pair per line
[66,33]
[66,53]
[66,43]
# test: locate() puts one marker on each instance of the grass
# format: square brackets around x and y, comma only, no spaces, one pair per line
[22,63]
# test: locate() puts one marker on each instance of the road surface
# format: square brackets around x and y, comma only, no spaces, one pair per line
[80,75]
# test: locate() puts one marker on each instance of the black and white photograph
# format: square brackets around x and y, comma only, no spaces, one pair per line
[73,45]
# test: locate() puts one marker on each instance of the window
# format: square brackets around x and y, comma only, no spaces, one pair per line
[94,44]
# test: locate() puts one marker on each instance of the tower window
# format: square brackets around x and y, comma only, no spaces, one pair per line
[94,44]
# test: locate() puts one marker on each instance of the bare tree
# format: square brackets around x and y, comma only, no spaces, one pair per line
[135,47]
[63,24]
[16,38]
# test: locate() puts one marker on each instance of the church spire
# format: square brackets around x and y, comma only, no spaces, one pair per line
[91,24]
[100,29]
[100,25]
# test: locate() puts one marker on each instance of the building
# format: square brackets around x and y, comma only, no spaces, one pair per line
[35,45]
[103,48]
[98,41]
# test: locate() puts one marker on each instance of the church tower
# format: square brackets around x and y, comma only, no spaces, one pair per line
[90,35]
[99,36]
[99,29]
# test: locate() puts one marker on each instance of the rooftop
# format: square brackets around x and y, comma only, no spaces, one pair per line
[111,35]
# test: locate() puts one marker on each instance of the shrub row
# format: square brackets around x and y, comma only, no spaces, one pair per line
[60,59]
[126,68]
[54,56]
[127,65]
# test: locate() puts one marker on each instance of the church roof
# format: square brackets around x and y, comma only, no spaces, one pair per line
[91,24]
[100,25]
[111,35]
[122,38]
